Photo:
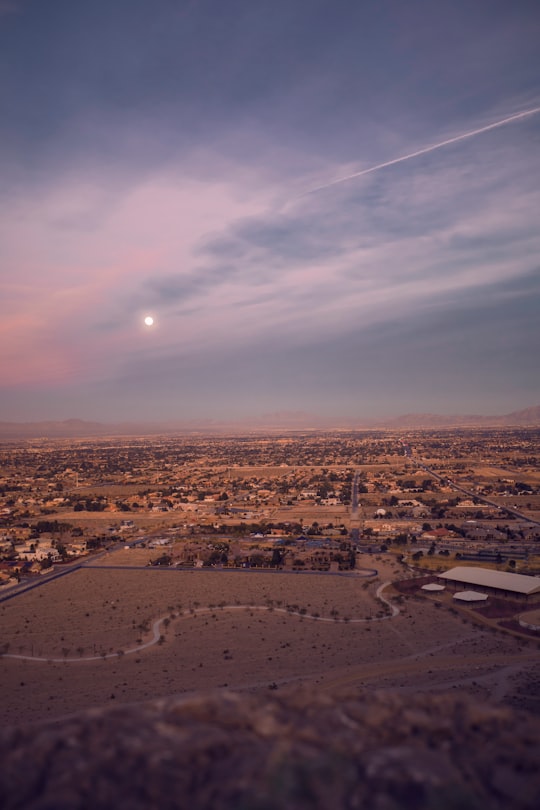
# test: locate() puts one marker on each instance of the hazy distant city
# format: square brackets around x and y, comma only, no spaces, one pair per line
[272,500]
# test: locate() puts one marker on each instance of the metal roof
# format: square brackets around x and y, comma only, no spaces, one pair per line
[485,577]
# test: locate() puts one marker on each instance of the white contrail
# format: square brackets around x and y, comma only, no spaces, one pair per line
[423,151]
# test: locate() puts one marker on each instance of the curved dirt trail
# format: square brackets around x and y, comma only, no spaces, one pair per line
[157,626]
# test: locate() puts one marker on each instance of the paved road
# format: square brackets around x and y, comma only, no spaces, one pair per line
[57,572]
[29,585]
[93,562]
[474,495]
[355,528]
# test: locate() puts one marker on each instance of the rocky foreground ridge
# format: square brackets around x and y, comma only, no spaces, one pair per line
[290,750]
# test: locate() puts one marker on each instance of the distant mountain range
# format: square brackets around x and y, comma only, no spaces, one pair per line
[283,420]
[528,417]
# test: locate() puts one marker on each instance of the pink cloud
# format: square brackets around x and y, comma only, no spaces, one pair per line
[78,255]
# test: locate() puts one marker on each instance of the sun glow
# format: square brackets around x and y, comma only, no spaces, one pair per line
[149,321]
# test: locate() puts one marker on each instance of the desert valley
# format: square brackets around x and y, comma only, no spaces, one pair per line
[143,568]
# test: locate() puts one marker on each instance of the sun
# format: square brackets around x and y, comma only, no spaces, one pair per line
[149,321]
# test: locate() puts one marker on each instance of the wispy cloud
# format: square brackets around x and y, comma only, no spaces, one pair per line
[161,167]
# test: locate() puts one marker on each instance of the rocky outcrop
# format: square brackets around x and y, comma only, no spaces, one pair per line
[293,750]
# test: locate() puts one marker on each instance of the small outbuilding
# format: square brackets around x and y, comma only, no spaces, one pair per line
[470,596]
[433,587]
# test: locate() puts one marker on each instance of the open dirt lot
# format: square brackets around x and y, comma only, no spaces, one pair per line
[245,639]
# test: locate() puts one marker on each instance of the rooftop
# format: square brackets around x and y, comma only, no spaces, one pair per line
[485,577]
[470,596]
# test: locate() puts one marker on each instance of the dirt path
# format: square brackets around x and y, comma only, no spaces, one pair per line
[158,625]
[406,668]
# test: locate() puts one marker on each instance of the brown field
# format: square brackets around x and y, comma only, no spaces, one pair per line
[99,521]
[271,471]
[307,513]
[437,563]
[242,641]
[109,490]
[492,473]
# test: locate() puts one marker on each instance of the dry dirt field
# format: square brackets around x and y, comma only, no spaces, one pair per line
[230,629]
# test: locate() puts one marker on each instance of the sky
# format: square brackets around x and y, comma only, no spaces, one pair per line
[327,207]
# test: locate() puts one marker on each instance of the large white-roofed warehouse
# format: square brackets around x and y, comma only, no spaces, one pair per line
[497,582]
